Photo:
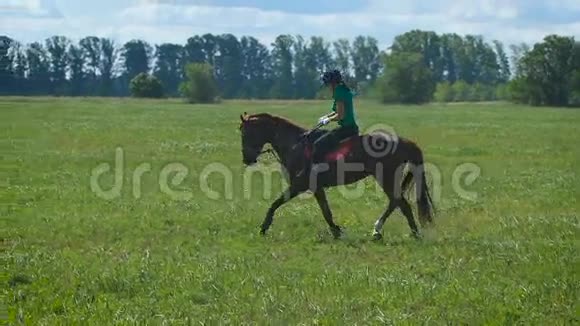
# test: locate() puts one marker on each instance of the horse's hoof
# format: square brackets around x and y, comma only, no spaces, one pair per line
[262,232]
[336,232]
[417,235]
[377,236]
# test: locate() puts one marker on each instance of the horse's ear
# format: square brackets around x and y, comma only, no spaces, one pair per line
[242,118]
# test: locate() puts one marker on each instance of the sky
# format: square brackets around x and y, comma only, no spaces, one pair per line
[173,21]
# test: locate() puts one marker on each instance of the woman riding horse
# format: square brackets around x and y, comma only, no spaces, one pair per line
[387,167]
[342,113]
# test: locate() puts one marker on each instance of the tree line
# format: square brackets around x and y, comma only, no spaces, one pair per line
[419,66]
[243,67]
[423,66]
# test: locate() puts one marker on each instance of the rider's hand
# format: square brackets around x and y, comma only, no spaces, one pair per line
[324,120]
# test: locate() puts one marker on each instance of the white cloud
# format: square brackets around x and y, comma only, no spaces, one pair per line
[174,21]
[458,9]
[564,4]
[494,19]
[20,4]
[491,9]
[29,8]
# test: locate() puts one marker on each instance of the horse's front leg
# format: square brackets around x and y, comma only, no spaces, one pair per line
[284,197]
[323,203]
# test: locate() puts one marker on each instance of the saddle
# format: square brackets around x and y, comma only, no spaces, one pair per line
[331,154]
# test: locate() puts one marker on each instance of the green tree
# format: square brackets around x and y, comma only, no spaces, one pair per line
[194,50]
[19,68]
[472,60]
[502,92]
[168,66]
[319,53]
[365,58]
[545,74]
[108,58]
[486,63]
[503,60]
[282,59]
[38,69]
[311,59]
[146,86]
[575,83]
[342,55]
[466,56]
[444,92]
[77,69]
[136,56]
[427,43]
[209,46]
[575,94]
[6,58]
[480,92]
[200,84]
[450,43]
[228,65]
[461,91]
[57,48]
[256,68]
[407,79]
[518,52]
[91,47]
[305,73]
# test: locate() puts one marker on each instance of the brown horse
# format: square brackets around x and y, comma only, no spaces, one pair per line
[355,159]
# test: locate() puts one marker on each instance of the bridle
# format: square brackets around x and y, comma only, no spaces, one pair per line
[303,138]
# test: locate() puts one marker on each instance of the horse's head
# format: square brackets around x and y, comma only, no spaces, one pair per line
[254,137]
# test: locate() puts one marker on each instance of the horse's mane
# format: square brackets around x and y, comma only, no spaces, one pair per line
[278,120]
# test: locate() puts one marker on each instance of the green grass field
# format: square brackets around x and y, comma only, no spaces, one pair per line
[508,256]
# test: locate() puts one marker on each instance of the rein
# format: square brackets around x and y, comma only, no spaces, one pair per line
[303,138]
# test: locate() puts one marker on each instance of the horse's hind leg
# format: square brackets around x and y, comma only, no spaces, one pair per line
[320,196]
[394,182]
[377,233]
[387,184]
[406,209]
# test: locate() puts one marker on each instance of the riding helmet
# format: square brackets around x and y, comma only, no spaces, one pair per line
[332,76]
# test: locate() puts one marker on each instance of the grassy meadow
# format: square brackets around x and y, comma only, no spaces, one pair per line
[183,247]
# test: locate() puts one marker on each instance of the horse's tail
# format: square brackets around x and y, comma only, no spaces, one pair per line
[417,172]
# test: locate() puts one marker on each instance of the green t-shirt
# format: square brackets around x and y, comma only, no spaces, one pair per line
[342,93]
